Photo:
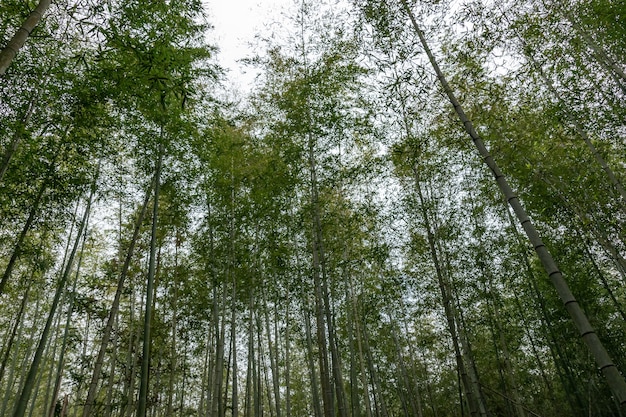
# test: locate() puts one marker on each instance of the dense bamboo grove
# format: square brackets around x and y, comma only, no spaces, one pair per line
[417,210]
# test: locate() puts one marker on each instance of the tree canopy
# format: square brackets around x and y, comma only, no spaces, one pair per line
[417,209]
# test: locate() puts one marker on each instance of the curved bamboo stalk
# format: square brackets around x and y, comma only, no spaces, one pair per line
[611,373]
[19,39]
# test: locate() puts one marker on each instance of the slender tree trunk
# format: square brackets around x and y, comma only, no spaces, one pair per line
[510,374]
[147,327]
[605,283]
[287,356]
[562,368]
[183,390]
[466,347]
[446,299]
[273,355]
[17,325]
[323,312]
[64,407]
[136,348]
[70,310]
[85,342]
[469,357]
[315,397]
[8,394]
[205,377]
[34,210]
[319,275]
[18,40]
[265,372]
[231,273]
[22,362]
[327,391]
[16,139]
[335,358]
[330,319]
[533,346]
[500,342]
[174,332]
[21,403]
[416,408]
[108,411]
[613,377]
[320,324]
[210,368]
[48,359]
[414,362]
[113,312]
[173,345]
[250,367]
[378,394]
[494,333]
[218,377]
[129,386]
[332,335]
[475,402]
[213,331]
[233,348]
[310,355]
[359,341]
[228,364]
[256,381]
[258,409]
[355,403]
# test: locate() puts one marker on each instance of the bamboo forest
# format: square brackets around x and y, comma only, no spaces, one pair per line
[416,208]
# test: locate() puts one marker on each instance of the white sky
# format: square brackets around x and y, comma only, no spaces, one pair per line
[236,23]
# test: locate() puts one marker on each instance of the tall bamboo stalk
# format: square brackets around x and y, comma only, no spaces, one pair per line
[613,377]
[19,39]
[147,329]
[22,401]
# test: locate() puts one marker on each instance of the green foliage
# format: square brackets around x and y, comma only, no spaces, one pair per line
[344,176]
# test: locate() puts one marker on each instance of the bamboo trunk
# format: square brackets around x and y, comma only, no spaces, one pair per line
[147,328]
[612,374]
[19,39]
[22,401]
[34,210]
[70,310]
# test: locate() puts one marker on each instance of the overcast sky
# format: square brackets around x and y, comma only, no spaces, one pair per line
[236,22]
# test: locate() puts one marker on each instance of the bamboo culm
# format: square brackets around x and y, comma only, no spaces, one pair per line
[19,39]
[106,336]
[145,363]
[22,402]
[613,377]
